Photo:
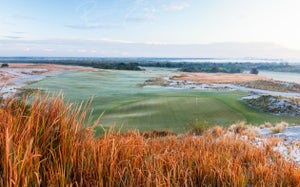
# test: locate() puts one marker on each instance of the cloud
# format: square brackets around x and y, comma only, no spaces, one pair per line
[94,26]
[19,32]
[93,51]
[116,47]
[48,50]
[13,37]
[154,43]
[177,6]
[142,11]
[115,41]
[125,53]
[56,42]
[26,49]
[139,19]
[93,14]
[81,50]
[23,17]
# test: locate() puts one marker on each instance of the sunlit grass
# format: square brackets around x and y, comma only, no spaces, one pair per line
[49,144]
[279,127]
[128,105]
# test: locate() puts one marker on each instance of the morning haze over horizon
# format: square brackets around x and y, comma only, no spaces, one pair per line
[156,28]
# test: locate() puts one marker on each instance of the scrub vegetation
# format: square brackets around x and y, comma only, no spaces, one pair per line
[47,142]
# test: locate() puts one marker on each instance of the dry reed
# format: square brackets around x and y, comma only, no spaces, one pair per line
[48,144]
[279,127]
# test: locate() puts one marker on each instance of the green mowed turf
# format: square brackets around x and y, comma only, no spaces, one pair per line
[251,115]
[175,113]
[125,104]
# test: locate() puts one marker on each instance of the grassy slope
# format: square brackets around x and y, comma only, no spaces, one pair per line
[177,112]
[126,104]
[173,112]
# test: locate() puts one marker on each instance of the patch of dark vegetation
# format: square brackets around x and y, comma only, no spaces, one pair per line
[157,81]
[275,105]
[198,127]
[27,91]
[213,68]
[254,71]
[118,66]
[4,65]
[157,134]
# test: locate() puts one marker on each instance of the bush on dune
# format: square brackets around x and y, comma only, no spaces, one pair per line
[48,144]
[279,127]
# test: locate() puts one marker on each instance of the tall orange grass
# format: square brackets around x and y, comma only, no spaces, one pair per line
[49,144]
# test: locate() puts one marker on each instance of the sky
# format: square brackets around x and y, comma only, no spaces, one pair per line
[150,28]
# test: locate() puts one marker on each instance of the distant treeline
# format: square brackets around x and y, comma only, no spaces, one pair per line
[136,64]
[109,64]
[228,67]
[118,66]
[201,67]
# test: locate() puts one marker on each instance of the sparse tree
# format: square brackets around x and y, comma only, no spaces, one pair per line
[215,69]
[5,65]
[254,71]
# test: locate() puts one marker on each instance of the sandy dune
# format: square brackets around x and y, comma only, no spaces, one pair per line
[218,77]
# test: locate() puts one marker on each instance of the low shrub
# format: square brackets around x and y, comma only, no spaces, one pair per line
[279,127]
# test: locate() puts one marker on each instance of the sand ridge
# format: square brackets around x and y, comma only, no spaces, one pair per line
[218,77]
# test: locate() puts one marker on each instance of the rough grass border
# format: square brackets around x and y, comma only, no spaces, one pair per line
[47,143]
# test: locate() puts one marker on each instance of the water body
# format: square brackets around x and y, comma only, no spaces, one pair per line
[282,76]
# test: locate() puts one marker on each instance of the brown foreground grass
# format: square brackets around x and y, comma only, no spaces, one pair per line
[47,144]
